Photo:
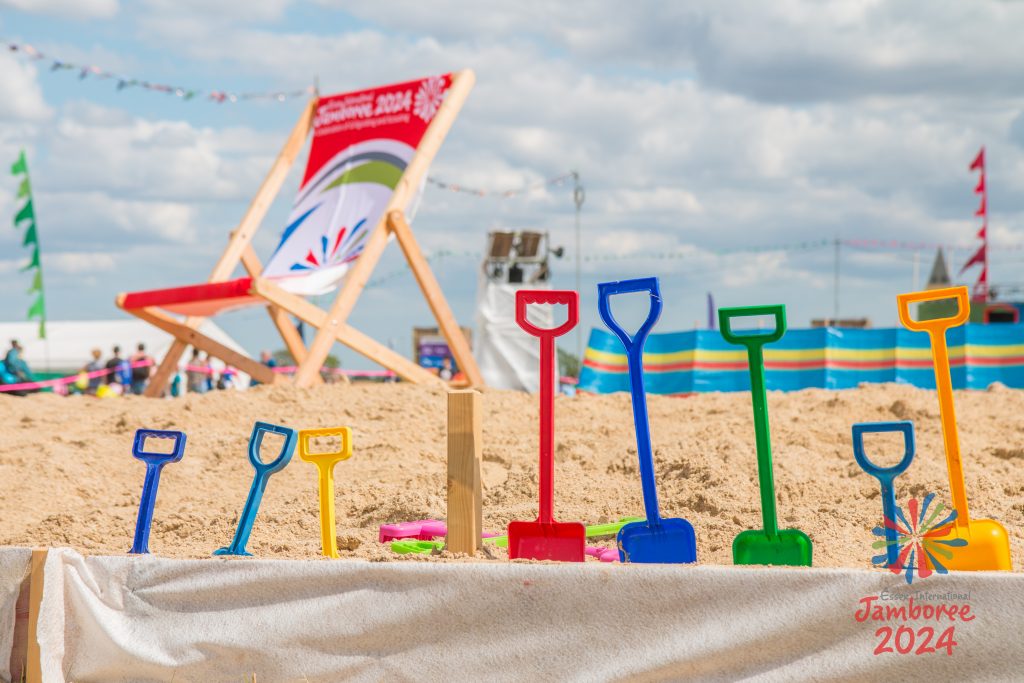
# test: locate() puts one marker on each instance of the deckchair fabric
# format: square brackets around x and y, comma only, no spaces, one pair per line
[201,300]
[362,143]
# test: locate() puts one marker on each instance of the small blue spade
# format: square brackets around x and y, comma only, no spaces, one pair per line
[656,539]
[154,463]
[886,476]
[259,482]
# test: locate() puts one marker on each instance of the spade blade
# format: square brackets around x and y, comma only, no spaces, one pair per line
[790,547]
[562,541]
[666,541]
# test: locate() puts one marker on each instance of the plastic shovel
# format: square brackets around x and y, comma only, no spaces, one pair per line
[988,545]
[668,540]
[259,482]
[886,476]
[769,545]
[325,463]
[547,539]
[154,463]
[409,545]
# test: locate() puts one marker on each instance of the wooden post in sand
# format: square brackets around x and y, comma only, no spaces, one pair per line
[465,446]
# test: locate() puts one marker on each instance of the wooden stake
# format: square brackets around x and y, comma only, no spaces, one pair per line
[359,274]
[241,237]
[33,660]
[465,447]
[457,341]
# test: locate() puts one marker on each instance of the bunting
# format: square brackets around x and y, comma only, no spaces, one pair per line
[122,82]
[26,218]
[980,257]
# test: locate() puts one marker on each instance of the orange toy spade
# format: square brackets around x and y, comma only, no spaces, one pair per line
[988,545]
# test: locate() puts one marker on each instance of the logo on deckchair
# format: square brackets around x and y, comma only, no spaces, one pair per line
[362,143]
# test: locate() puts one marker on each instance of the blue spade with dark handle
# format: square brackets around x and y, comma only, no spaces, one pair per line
[656,539]
[259,482]
[886,476]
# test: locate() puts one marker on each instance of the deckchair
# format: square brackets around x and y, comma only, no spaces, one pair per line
[367,166]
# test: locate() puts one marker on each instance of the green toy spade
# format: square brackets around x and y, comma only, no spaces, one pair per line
[769,545]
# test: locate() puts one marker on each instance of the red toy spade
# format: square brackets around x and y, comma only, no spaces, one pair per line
[547,539]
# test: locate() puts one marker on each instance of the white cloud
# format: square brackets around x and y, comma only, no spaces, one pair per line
[22,99]
[78,9]
[79,262]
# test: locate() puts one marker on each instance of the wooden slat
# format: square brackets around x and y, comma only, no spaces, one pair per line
[289,333]
[457,341]
[346,334]
[242,236]
[189,336]
[33,655]
[465,451]
[359,274]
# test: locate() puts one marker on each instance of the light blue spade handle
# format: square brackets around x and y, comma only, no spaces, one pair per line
[259,482]
[635,359]
[886,475]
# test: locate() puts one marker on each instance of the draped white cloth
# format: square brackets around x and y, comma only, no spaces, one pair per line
[151,619]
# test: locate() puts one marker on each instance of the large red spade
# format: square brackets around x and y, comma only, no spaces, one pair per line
[547,539]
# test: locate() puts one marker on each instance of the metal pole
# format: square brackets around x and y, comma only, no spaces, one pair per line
[835,288]
[578,195]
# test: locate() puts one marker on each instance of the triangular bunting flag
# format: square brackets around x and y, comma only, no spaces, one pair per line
[37,282]
[30,235]
[27,212]
[981,208]
[42,328]
[34,262]
[983,233]
[979,161]
[37,310]
[979,257]
[980,189]
[20,166]
[24,190]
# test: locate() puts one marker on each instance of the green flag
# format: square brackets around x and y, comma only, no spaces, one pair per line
[20,166]
[34,263]
[27,212]
[42,328]
[24,191]
[30,235]
[37,282]
[38,310]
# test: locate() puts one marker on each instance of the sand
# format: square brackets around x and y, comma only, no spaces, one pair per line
[70,480]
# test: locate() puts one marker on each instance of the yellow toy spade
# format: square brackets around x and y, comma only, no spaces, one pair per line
[988,545]
[325,463]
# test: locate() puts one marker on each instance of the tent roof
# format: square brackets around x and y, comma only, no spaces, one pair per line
[940,274]
[69,343]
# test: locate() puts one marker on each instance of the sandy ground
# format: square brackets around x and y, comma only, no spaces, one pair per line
[70,479]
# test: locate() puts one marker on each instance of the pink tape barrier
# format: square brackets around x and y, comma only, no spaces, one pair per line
[70,379]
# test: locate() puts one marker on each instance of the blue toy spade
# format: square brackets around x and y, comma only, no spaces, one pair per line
[259,482]
[154,463]
[886,476]
[656,539]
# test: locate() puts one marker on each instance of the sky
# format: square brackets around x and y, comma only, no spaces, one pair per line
[723,134]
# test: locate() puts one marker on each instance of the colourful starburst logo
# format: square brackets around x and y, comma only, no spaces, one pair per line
[916,540]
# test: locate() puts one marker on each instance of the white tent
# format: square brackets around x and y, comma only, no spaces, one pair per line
[69,343]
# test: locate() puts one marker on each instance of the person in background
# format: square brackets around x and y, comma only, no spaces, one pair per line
[94,365]
[113,377]
[15,364]
[208,371]
[267,359]
[445,372]
[195,377]
[142,368]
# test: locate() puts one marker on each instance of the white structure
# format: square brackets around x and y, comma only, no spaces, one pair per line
[69,343]
[508,357]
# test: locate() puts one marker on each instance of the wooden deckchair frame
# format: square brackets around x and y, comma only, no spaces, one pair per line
[332,325]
